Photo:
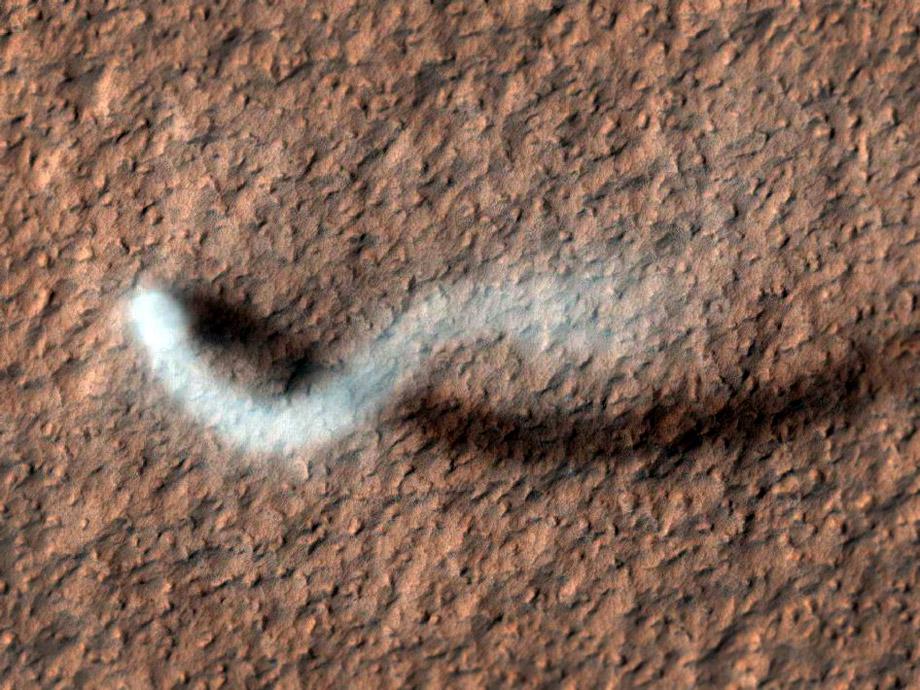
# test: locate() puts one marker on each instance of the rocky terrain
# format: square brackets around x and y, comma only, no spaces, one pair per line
[727,497]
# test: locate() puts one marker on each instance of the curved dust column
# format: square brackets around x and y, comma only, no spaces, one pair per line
[533,313]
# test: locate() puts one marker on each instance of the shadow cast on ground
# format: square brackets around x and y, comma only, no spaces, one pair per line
[238,329]
[756,416]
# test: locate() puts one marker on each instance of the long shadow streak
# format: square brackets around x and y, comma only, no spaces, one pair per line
[755,416]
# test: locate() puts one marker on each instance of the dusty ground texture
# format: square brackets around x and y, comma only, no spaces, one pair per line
[731,501]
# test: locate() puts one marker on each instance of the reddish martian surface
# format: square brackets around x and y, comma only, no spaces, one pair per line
[728,496]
